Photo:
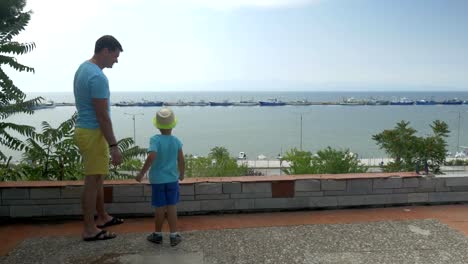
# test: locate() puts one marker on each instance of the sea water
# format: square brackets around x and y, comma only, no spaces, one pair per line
[269,131]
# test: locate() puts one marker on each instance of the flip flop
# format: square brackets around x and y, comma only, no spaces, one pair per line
[102,235]
[113,221]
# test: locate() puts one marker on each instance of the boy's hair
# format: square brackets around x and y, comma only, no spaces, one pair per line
[109,42]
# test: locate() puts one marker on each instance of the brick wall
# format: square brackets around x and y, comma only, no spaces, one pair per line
[256,193]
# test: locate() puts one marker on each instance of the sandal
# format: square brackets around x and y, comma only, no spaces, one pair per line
[102,235]
[113,221]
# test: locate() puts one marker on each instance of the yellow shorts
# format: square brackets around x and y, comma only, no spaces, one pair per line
[94,150]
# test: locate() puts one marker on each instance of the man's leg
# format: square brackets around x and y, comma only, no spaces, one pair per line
[102,215]
[88,204]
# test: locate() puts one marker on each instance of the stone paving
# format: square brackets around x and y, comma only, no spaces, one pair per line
[409,241]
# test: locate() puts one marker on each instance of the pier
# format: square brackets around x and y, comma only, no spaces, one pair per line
[278,103]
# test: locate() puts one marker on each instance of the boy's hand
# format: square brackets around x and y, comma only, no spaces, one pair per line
[181,177]
[139,177]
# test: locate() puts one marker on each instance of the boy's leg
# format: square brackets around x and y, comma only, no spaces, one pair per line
[156,236]
[159,216]
[172,218]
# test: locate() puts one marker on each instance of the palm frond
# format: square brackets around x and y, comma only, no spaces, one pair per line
[134,152]
[125,143]
[13,26]
[26,107]
[13,63]
[17,48]
[10,141]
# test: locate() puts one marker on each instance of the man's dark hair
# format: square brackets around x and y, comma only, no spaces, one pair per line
[109,42]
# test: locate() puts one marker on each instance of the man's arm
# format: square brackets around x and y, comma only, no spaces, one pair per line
[105,124]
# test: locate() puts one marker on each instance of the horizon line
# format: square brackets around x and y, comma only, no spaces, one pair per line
[275,91]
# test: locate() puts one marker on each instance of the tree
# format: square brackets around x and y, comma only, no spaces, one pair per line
[334,161]
[217,164]
[52,154]
[300,162]
[327,160]
[12,100]
[410,152]
[131,161]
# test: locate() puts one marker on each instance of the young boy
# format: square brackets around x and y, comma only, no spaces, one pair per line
[166,163]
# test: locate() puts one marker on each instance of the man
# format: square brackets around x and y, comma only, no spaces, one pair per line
[94,135]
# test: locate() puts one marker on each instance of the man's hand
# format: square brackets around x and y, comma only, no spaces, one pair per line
[116,156]
[181,177]
[139,177]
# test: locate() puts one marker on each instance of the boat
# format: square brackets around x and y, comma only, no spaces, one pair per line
[454,101]
[382,102]
[370,102]
[272,102]
[64,104]
[178,103]
[46,105]
[223,103]
[245,103]
[351,101]
[125,103]
[402,101]
[426,102]
[299,102]
[149,103]
[199,103]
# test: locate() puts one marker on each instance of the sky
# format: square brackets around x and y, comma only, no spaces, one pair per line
[194,45]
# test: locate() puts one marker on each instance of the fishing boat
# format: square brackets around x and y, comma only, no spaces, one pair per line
[64,104]
[382,102]
[149,103]
[454,101]
[46,105]
[223,103]
[199,103]
[125,103]
[402,101]
[426,102]
[272,102]
[178,103]
[245,103]
[351,101]
[299,102]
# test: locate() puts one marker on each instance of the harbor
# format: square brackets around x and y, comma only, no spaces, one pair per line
[349,101]
[266,130]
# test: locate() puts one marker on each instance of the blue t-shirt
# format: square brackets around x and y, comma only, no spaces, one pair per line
[89,82]
[164,168]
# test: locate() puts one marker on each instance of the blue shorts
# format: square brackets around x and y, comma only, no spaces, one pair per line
[165,194]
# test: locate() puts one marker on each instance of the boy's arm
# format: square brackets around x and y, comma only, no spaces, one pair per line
[181,164]
[149,160]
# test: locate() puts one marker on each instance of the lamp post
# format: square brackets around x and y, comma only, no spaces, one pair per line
[134,128]
[458,132]
[458,129]
[301,134]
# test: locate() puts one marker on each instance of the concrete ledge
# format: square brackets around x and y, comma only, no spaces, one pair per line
[227,194]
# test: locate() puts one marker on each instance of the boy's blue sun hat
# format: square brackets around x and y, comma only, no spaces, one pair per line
[165,119]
